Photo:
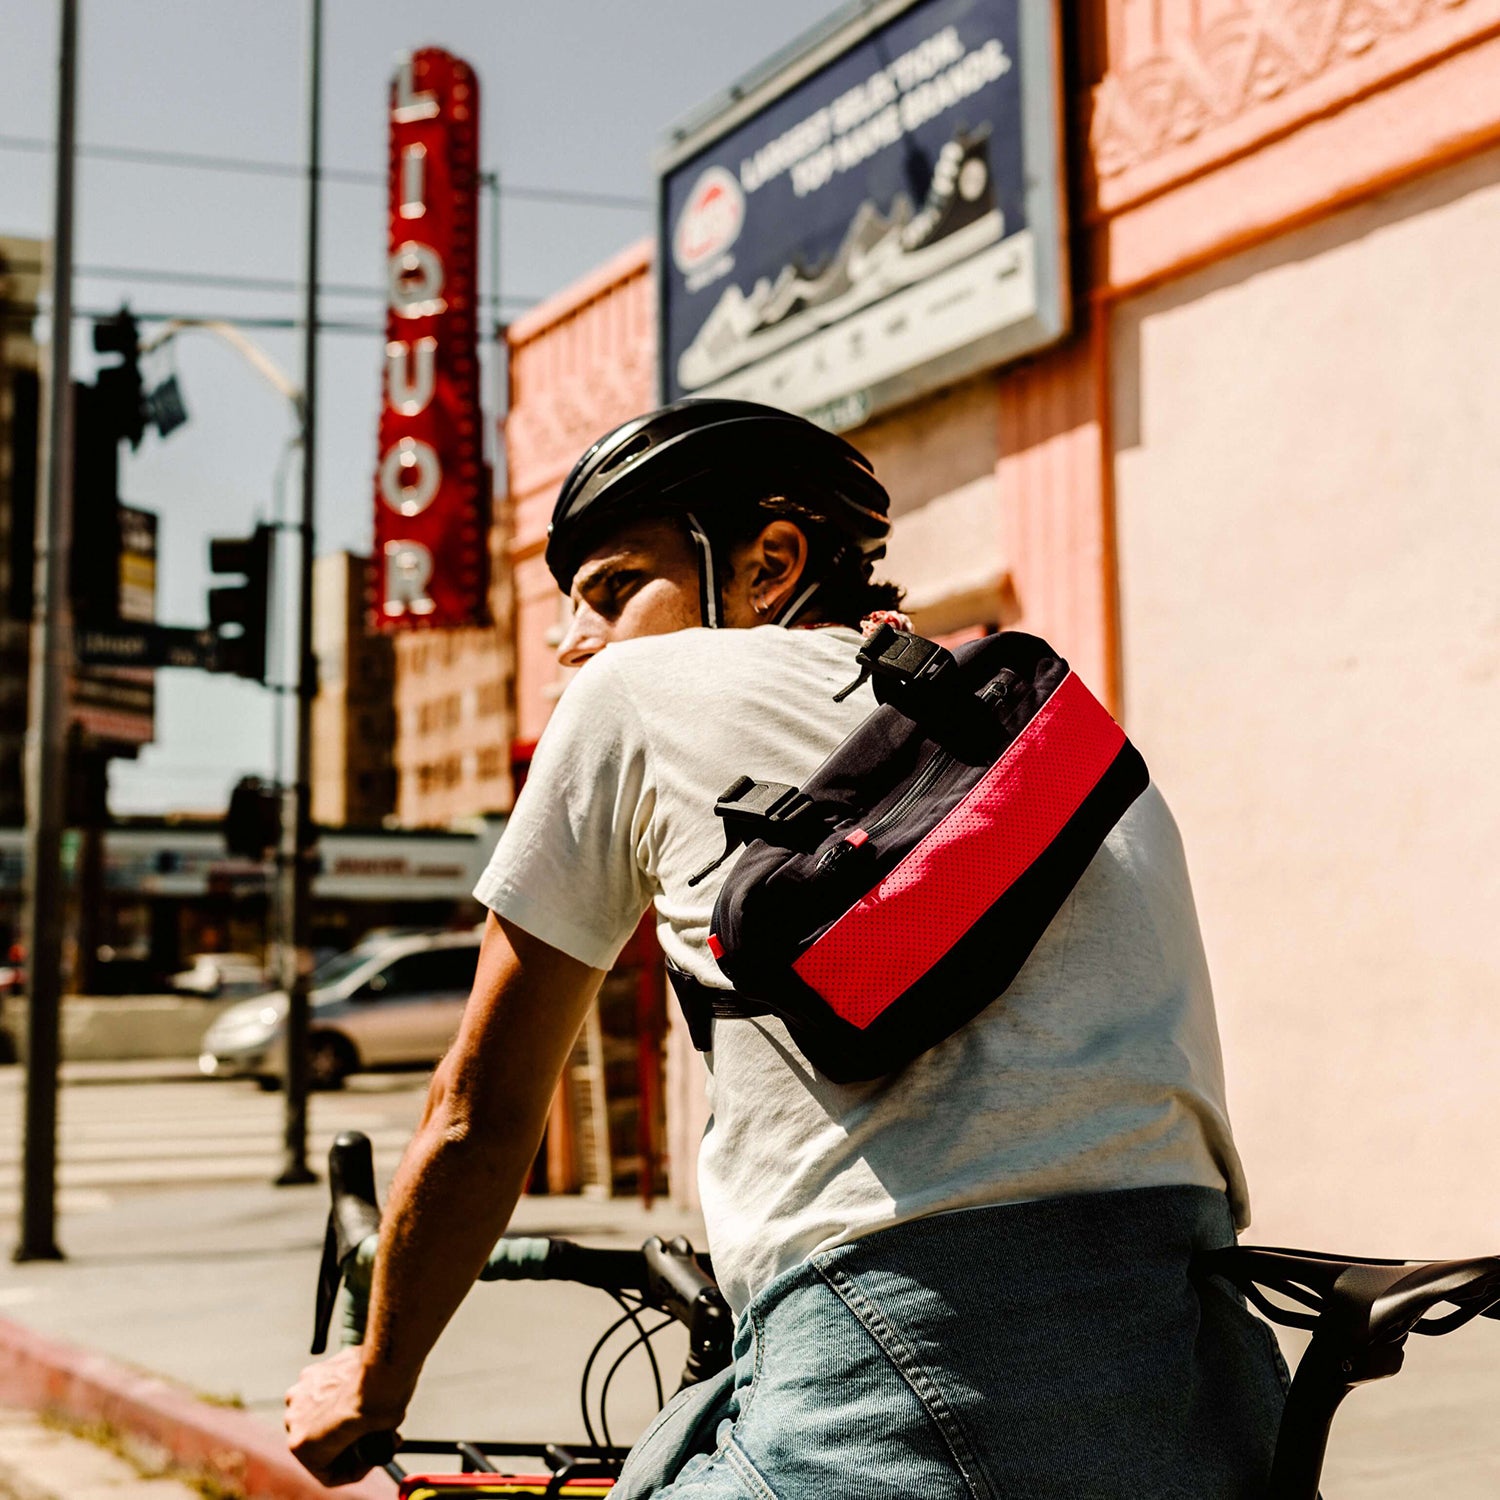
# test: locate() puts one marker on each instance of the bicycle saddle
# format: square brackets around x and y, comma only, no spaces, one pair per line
[1362,1302]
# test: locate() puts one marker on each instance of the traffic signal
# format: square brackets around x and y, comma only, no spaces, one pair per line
[122,396]
[238,613]
[253,823]
[94,565]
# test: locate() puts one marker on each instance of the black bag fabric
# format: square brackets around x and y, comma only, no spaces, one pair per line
[895,894]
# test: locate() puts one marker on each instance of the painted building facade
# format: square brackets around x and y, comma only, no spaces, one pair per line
[1252,499]
[354,721]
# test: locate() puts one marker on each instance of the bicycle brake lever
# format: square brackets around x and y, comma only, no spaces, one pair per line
[353,1214]
[329,1276]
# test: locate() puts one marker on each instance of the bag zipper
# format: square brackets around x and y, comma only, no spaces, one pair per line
[864,837]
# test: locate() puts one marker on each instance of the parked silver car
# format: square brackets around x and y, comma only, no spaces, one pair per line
[393,1000]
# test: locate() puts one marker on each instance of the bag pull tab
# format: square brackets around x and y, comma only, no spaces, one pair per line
[899,658]
[753,810]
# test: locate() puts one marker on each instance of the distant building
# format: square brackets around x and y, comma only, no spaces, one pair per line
[20,283]
[354,716]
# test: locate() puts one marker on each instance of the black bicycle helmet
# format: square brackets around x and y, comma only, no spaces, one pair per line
[688,456]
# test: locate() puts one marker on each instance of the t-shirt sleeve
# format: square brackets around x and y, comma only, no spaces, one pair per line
[570,865]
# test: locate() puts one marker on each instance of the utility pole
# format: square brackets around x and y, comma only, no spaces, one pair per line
[51,655]
[297,842]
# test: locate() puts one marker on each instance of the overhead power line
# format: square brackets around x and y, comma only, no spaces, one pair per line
[146,156]
[24,312]
[225,281]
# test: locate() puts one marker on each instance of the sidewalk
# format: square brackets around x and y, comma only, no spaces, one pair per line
[41,1460]
[212,1285]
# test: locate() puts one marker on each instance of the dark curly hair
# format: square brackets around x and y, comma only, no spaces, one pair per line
[848,593]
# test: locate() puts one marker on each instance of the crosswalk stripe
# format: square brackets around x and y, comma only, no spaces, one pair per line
[114,1149]
[113,1138]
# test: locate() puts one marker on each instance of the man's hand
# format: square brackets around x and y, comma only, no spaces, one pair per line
[329,1409]
[453,1193]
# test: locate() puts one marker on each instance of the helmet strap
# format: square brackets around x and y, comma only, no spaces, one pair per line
[710,602]
[795,608]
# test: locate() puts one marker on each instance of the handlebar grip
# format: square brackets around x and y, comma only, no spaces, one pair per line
[551,1258]
[519,1257]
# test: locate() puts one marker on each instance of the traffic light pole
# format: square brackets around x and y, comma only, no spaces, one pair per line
[47,716]
[298,845]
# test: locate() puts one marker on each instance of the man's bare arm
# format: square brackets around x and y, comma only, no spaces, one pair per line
[456,1187]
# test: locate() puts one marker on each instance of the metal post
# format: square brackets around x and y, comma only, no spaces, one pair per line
[47,712]
[298,846]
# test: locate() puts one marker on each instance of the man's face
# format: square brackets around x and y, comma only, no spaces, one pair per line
[642,581]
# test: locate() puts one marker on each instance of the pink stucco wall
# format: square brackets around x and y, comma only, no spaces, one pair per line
[1205,133]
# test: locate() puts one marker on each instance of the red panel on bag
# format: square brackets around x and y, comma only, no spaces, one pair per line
[886,942]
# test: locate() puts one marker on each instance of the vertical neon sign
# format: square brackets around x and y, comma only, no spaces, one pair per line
[431,482]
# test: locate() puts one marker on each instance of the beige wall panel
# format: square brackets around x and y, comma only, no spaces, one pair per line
[1051,515]
[1309,536]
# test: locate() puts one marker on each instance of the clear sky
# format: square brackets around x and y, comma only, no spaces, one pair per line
[576,96]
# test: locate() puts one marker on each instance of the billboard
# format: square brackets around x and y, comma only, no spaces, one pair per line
[432,486]
[116,706]
[881,214]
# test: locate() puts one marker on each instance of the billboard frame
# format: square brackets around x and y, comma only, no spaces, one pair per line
[1043,154]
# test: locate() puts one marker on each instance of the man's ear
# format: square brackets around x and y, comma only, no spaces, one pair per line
[779,560]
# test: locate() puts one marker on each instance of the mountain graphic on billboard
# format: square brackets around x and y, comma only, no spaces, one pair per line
[880,253]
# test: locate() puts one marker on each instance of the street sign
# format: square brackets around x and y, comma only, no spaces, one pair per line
[127,645]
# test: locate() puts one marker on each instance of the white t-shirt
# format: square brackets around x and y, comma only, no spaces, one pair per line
[1099,1069]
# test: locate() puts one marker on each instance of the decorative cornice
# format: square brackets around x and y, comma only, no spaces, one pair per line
[1259,59]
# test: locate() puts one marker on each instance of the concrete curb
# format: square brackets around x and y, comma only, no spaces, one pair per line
[44,1374]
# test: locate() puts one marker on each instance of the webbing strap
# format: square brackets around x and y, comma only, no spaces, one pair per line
[708,577]
[702,1005]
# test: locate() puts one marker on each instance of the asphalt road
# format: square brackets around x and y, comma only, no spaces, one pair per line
[183,1259]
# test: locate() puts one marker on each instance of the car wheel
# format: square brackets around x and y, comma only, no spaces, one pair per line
[330,1060]
[268,1083]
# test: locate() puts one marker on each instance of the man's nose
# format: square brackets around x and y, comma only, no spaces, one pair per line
[583,639]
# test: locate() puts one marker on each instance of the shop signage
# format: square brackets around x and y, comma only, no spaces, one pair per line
[113,696]
[881,214]
[355,866]
[431,482]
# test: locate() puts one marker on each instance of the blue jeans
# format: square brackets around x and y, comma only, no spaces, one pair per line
[1019,1352]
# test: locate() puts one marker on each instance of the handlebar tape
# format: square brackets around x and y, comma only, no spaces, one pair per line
[519,1258]
[547,1258]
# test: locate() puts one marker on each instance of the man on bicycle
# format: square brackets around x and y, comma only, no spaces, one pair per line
[969,1278]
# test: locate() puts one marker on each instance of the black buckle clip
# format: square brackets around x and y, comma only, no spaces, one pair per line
[900,659]
[753,810]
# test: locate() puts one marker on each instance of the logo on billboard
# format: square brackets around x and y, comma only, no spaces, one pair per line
[709,224]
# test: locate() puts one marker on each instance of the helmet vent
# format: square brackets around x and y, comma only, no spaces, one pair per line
[638,444]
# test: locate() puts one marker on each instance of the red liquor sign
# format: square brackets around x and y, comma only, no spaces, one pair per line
[431,484]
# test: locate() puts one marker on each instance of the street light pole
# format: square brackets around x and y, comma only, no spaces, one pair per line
[46,725]
[297,840]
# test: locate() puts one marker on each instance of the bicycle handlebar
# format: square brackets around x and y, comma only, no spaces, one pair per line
[669,1276]
[665,1275]
[549,1258]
